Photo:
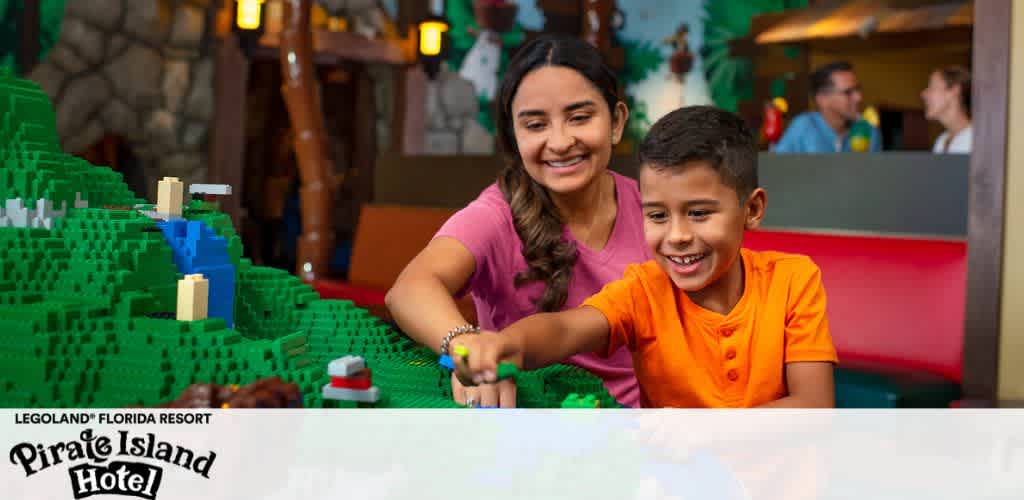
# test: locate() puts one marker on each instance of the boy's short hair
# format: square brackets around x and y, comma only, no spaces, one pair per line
[708,134]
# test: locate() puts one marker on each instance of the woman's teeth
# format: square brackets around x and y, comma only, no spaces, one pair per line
[567,163]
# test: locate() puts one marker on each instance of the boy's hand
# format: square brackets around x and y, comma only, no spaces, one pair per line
[483,352]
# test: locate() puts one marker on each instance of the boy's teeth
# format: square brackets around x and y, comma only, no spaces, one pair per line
[689,259]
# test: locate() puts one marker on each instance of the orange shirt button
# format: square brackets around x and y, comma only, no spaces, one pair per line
[727,332]
[732,375]
[730,353]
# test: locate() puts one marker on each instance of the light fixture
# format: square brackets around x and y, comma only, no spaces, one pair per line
[249,14]
[433,43]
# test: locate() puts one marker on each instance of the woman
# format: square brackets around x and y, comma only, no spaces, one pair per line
[947,100]
[552,231]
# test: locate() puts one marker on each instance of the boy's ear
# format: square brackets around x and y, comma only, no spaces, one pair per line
[619,117]
[755,208]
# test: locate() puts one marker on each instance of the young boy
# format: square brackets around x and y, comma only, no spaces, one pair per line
[709,324]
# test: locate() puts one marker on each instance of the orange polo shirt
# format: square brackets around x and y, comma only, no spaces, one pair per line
[687,356]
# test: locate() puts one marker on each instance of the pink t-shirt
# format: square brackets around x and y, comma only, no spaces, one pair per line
[485,227]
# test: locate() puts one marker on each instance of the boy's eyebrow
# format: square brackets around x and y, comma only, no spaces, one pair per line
[700,201]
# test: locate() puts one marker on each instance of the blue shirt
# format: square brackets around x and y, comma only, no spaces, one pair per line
[809,133]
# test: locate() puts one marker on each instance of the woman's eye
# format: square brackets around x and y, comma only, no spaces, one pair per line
[580,118]
[656,216]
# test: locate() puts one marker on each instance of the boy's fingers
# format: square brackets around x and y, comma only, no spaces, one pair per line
[507,394]
[458,390]
[489,395]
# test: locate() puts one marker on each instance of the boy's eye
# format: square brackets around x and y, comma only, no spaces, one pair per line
[656,216]
[699,214]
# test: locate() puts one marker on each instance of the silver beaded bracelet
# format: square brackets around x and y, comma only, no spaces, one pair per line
[455,332]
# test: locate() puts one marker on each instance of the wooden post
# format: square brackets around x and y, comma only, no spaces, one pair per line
[227,150]
[364,141]
[597,20]
[28,37]
[986,198]
[410,119]
[299,89]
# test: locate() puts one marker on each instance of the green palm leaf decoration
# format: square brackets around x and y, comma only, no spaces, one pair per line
[729,78]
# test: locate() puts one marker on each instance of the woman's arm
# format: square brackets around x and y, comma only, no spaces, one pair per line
[422,299]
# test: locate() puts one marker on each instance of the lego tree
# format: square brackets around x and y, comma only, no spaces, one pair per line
[730,79]
[51,12]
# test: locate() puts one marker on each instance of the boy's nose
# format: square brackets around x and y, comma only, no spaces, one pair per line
[680,235]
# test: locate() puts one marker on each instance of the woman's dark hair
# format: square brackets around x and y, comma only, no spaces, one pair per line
[549,257]
[958,76]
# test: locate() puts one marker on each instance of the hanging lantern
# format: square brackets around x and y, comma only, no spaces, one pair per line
[433,43]
[249,14]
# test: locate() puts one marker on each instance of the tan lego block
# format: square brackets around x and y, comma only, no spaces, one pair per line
[170,196]
[193,297]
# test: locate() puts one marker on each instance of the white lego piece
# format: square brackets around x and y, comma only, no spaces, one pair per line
[220,189]
[79,202]
[370,395]
[346,366]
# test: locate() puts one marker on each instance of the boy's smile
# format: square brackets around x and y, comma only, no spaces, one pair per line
[694,225]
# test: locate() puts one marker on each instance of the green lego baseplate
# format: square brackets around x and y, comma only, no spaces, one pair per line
[84,306]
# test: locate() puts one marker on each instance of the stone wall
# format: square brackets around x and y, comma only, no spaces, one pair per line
[452,126]
[139,69]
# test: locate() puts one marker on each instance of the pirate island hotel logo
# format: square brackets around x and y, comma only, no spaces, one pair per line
[101,465]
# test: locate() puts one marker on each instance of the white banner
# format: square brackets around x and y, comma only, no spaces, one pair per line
[505,454]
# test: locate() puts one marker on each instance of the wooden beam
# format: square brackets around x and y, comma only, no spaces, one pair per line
[354,47]
[227,136]
[28,37]
[990,97]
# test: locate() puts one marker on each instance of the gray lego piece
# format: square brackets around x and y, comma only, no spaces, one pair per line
[16,213]
[79,202]
[346,366]
[370,395]
[220,189]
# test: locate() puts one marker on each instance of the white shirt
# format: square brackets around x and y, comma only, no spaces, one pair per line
[960,143]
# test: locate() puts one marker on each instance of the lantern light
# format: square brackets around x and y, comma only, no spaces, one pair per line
[432,44]
[249,14]
[431,33]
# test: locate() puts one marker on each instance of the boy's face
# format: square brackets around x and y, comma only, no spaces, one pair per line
[694,224]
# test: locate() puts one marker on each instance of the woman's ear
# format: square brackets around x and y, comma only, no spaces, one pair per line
[620,115]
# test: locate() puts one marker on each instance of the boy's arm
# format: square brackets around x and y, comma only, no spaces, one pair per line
[809,354]
[810,385]
[532,342]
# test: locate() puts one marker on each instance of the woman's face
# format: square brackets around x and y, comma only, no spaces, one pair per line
[563,128]
[938,97]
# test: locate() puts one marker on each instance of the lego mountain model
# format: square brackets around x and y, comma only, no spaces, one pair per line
[88,289]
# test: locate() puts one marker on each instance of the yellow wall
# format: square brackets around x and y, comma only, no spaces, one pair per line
[1011,350]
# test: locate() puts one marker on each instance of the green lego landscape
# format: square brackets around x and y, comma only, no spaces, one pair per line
[81,302]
